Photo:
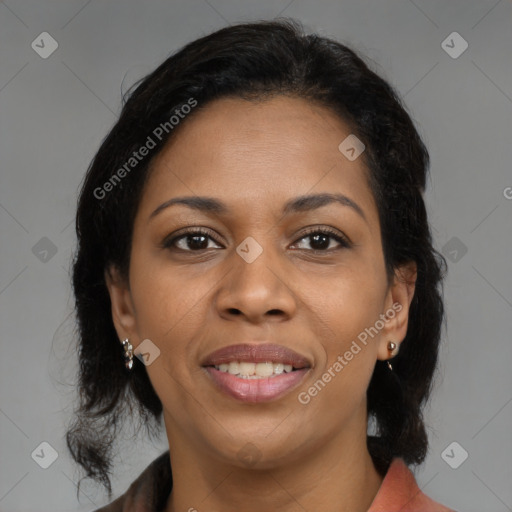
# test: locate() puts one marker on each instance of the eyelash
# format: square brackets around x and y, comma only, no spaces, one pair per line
[168,243]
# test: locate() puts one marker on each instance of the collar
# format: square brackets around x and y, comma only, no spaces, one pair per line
[399,492]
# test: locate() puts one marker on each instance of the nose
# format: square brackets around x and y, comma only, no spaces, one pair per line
[258,291]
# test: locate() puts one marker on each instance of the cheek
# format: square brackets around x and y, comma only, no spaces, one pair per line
[171,308]
[165,298]
[351,308]
[170,311]
[342,379]
[351,300]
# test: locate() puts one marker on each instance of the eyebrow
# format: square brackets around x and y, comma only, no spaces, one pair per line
[297,204]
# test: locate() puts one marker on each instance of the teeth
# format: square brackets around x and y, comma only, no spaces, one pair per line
[233,368]
[247,370]
[264,369]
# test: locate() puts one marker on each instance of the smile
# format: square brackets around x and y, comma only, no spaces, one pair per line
[256,388]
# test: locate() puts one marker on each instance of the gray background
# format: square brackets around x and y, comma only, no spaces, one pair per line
[54,114]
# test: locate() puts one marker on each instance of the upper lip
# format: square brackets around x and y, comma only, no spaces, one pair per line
[257,353]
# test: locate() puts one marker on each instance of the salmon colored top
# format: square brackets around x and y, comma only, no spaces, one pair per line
[398,492]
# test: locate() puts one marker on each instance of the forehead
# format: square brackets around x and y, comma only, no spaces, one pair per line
[258,153]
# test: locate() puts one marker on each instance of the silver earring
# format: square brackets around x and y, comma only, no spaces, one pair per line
[128,354]
[391,348]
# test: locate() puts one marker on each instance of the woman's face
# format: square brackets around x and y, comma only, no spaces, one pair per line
[260,273]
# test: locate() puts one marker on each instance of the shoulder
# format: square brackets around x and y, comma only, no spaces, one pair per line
[399,492]
[148,492]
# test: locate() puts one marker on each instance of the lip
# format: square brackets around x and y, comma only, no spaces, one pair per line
[257,353]
[256,390]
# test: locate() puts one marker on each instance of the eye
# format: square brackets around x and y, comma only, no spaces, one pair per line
[196,240]
[193,240]
[320,239]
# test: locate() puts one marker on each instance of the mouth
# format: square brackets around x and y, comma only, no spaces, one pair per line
[256,373]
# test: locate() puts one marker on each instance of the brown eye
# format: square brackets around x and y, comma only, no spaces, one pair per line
[191,241]
[321,239]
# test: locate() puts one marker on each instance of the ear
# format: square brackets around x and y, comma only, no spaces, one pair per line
[397,305]
[123,311]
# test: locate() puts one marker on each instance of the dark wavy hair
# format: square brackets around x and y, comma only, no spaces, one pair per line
[255,61]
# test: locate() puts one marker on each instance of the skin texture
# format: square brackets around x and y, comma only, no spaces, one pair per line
[254,156]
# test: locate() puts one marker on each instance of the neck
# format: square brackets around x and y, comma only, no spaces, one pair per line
[338,476]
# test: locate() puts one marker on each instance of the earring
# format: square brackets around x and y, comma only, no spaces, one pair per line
[128,354]
[391,348]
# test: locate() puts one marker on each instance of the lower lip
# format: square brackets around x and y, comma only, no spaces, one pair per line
[256,390]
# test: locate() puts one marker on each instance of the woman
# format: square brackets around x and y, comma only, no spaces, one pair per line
[253,251]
